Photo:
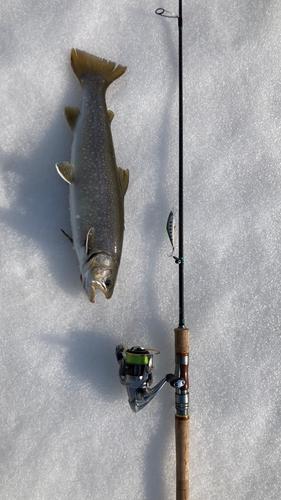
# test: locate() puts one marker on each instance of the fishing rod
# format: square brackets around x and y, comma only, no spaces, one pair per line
[136,363]
[181,332]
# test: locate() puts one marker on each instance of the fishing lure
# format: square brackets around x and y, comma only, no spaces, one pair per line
[171,230]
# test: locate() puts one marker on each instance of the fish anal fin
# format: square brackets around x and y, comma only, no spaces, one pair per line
[71,115]
[90,240]
[110,115]
[65,170]
[124,179]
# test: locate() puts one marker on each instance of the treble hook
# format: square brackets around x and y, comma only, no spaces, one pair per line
[162,12]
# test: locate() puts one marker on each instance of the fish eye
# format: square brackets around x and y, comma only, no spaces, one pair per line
[108,283]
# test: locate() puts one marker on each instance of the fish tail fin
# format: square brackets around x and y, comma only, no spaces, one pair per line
[84,64]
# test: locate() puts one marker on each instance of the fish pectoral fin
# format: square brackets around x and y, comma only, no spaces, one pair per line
[90,240]
[65,170]
[71,115]
[110,115]
[124,179]
[67,235]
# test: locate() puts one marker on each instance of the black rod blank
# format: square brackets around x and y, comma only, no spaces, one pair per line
[180,260]
[181,257]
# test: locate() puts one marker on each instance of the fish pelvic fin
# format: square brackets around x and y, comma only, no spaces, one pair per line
[124,179]
[84,64]
[71,115]
[65,170]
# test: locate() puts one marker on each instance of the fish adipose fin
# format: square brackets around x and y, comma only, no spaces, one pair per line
[65,170]
[124,179]
[84,64]
[110,115]
[71,115]
[90,240]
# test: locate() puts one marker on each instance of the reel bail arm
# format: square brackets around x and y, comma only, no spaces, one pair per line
[135,373]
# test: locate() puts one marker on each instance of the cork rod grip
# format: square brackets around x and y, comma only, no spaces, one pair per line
[182,422]
[182,457]
[182,341]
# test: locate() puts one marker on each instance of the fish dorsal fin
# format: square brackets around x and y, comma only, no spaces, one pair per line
[71,115]
[90,240]
[110,115]
[124,179]
[65,170]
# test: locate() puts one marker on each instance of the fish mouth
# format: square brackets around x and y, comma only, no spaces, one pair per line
[98,273]
[91,286]
[100,286]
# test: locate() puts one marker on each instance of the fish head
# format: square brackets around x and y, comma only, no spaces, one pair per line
[99,272]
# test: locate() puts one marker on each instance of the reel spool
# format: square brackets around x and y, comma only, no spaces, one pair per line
[135,373]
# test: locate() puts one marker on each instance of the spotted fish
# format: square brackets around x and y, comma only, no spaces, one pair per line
[96,185]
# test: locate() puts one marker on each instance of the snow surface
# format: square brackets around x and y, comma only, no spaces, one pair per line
[67,431]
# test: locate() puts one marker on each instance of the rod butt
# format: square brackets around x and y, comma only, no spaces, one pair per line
[182,457]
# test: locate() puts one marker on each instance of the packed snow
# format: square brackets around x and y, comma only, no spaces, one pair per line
[67,431]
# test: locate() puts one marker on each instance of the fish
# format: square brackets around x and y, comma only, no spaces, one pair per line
[96,185]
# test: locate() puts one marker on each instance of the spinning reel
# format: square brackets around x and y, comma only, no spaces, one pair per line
[135,372]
